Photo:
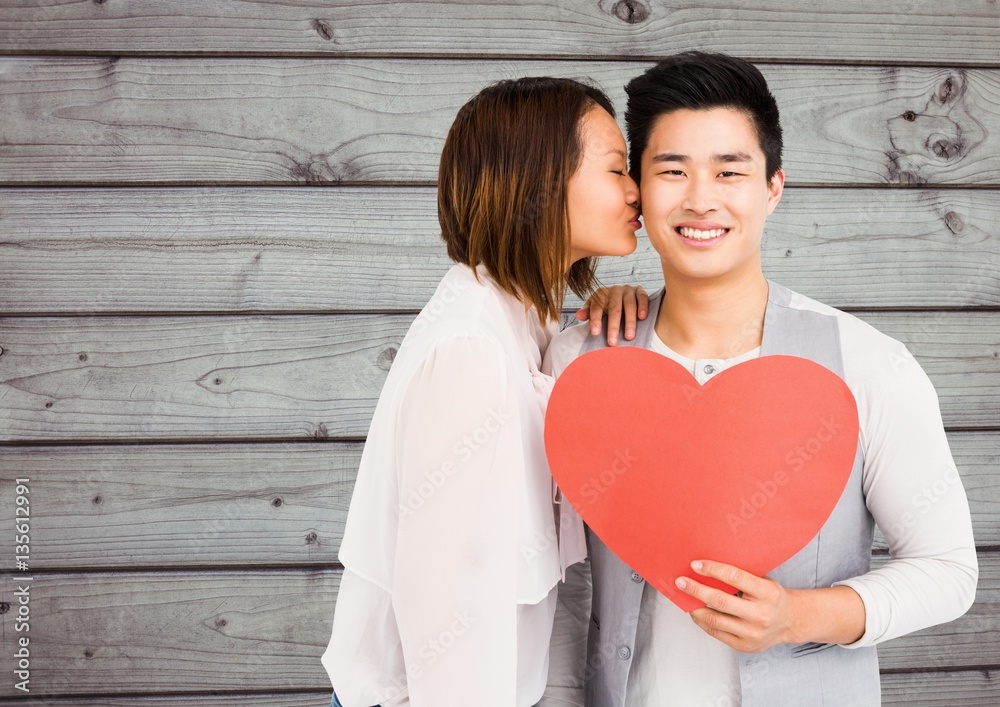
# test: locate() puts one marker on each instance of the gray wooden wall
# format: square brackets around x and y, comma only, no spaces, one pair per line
[217,219]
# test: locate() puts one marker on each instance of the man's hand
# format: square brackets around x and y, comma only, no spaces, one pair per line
[613,300]
[761,614]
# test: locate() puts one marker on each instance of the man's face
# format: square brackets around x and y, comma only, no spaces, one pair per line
[705,194]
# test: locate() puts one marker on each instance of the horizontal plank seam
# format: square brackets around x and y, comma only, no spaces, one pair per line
[397,184]
[345,442]
[36,573]
[200,313]
[136,441]
[940,669]
[469,56]
[140,441]
[130,694]
[217,569]
[178,186]
[181,441]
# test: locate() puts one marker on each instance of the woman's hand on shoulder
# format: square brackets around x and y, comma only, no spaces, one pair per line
[613,300]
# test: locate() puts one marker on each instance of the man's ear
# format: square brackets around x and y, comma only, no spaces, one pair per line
[775,188]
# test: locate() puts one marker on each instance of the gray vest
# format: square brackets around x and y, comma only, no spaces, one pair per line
[787,675]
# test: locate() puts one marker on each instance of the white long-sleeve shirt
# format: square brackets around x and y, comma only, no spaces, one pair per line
[911,488]
[452,552]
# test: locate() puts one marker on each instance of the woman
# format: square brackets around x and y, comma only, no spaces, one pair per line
[454,540]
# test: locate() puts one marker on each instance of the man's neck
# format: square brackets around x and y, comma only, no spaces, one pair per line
[713,319]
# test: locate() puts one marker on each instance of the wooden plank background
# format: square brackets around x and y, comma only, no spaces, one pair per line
[357,121]
[217,221]
[893,31]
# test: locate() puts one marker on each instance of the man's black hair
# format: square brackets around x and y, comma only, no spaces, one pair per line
[701,81]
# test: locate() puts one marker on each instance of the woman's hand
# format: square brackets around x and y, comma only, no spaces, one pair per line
[763,613]
[612,300]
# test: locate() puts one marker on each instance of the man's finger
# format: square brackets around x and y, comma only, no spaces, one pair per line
[736,578]
[722,626]
[714,598]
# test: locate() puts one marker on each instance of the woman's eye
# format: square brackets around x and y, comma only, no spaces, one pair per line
[619,172]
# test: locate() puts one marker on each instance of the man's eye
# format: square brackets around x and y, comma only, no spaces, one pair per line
[729,174]
[673,172]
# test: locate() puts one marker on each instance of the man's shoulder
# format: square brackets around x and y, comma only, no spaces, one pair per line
[866,351]
[564,347]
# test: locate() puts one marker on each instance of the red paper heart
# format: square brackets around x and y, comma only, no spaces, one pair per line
[743,470]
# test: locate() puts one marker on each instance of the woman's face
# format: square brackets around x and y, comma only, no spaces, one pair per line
[603,199]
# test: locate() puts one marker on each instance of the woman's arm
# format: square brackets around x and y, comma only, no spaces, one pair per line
[454,593]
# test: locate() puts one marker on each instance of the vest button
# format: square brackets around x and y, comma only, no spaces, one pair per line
[636,577]
[709,369]
[624,653]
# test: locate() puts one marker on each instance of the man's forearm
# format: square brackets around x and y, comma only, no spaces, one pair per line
[830,615]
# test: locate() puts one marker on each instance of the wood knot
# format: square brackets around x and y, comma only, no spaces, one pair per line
[323,29]
[221,622]
[386,358]
[4,607]
[630,11]
[276,503]
[321,432]
[946,89]
[954,222]
[909,116]
[48,405]
[82,357]
[99,2]
[98,500]
[952,89]
[218,381]
[946,148]
[1,350]
[89,653]
[788,252]
[312,538]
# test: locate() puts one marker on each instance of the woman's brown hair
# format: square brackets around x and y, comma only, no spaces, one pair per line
[502,186]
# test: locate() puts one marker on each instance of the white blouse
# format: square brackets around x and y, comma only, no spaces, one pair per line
[454,541]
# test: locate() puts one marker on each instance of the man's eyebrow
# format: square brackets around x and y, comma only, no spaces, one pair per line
[669,157]
[732,157]
[728,157]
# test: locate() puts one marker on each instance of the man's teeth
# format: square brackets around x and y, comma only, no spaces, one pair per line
[697,235]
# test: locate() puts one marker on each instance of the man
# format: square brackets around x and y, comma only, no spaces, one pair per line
[705,144]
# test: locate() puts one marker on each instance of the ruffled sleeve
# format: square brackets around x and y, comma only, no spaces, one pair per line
[460,465]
